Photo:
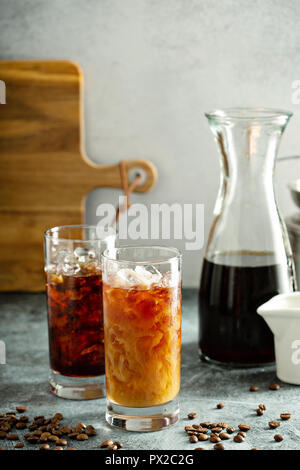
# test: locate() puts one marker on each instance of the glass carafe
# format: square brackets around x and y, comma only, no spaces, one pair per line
[248,258]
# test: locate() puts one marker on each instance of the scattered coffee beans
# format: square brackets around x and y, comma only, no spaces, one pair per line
[202,437]
[19,445]
[259,412]
[244,427]
[219,446]
[262,406]
[21,409]
[12,437]
[44,447]
[224,436]
[238,438]
[274,424]
[82,437]
[285,416]
[230,429]
[44,431]
[274,387]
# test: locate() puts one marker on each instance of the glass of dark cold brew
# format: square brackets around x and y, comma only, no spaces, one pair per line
[75,314]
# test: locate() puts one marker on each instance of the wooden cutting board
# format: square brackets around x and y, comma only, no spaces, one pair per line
[45,175]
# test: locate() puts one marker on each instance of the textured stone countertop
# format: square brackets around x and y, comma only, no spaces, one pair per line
[23,381]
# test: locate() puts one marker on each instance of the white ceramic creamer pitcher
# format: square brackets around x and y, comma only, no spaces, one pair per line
[282,314]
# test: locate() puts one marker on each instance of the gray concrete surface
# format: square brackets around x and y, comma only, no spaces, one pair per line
[152,68]
[23,380]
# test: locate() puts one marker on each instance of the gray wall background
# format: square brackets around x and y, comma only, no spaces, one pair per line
[152,67]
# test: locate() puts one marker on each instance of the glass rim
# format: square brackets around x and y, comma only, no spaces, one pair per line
[177,254]
[48,234]
[248,114]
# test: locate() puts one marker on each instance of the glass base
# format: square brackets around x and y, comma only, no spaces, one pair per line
[153,418]
[77,388]
[232,365]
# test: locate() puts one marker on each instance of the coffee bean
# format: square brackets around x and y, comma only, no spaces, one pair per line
[58,416]
[230,429]
[24,419]
[285,416]
[220,406]
[199,448]
[44,447]
[80,427]
[44,436]
[254,448]
[70,448]
[33,439]
[2,434]
[238,438]
[254,388]
[274,424]
[216,430]
[37,432]
[224,436]
[193,439]
[278,437]
[90,430]
[244,427]
[118,444]
[65,430]
[242,433]
[12,437]
[82,437]
[192,415]
[19,445]
[21,409]
[206,424]
[214,438]
[222,425]
[112,447]
[219,446]
[61,442]
[262,406]
[73,435]
[202,430]
[32,427]
[259,412]
[274,387]
[106,443]
[53,438]
[58,448]
[21,425]
[202,437]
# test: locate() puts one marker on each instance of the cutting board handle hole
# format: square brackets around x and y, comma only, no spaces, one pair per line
[134,173]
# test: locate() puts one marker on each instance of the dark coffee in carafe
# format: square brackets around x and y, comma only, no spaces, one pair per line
[231,331]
